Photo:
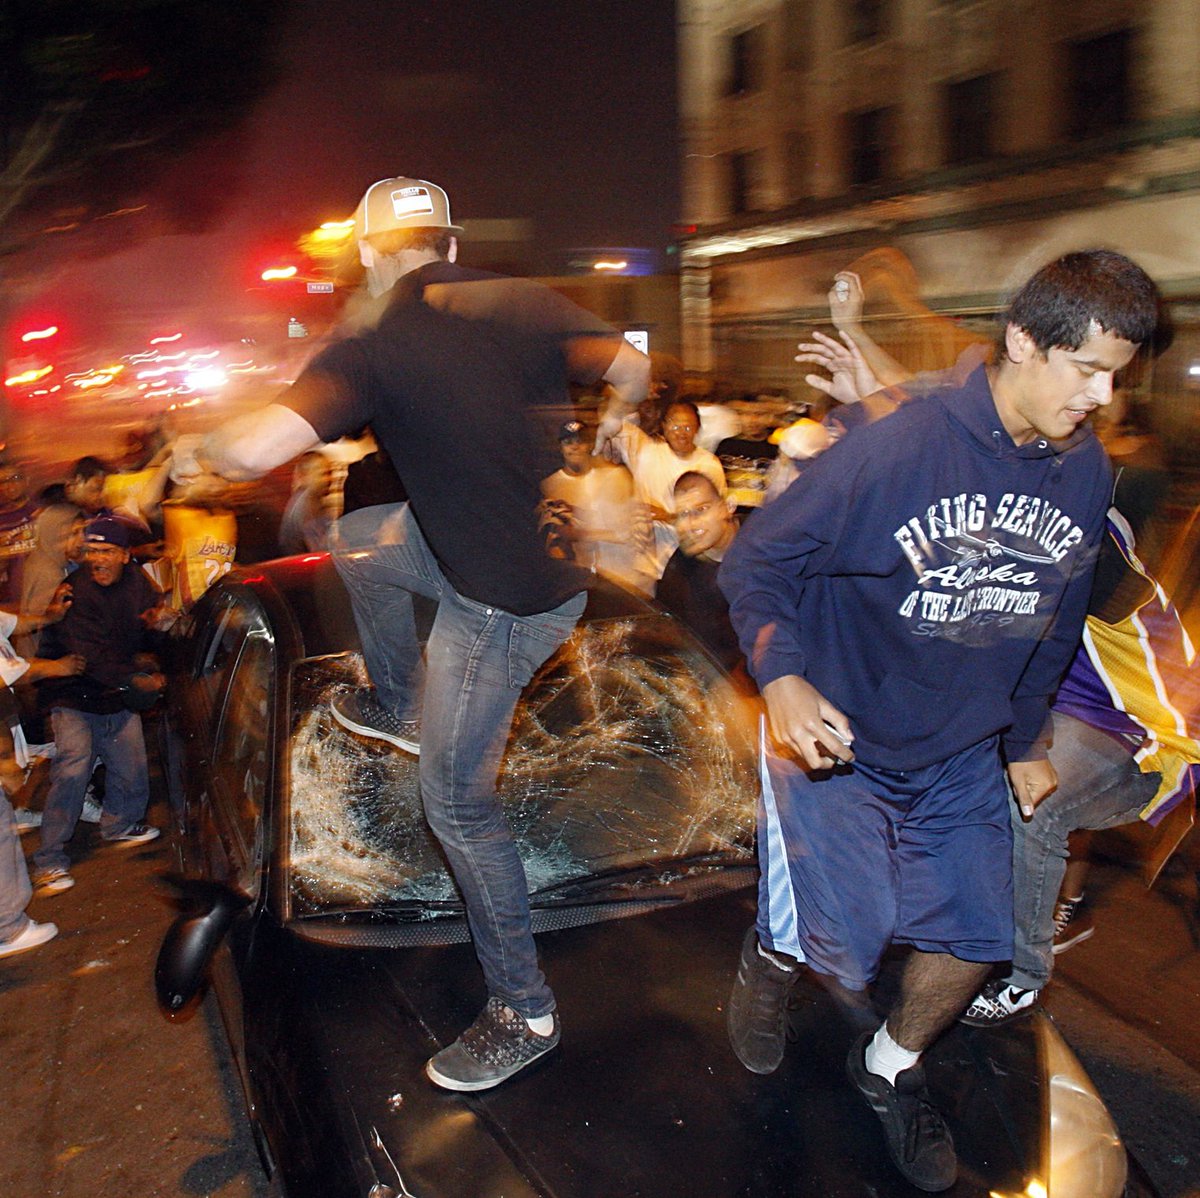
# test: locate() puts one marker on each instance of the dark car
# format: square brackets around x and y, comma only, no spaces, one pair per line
[321,911]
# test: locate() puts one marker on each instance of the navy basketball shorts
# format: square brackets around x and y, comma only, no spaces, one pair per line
[857,858]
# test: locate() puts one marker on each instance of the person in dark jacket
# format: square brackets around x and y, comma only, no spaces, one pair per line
[907,608]
[95,713]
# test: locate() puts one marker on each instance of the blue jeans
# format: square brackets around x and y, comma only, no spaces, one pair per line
[79,738]
[15,891]
[477,661]
[1099,786]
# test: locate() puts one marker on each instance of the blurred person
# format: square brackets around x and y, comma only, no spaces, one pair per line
[656,463]
[84,486]
[798,444]
[17,753]
[666,375]
[95,713]
[705,523]
[1124,741]
[58,550]
[447,379]
[18,932]
[604,528]
[907,607]
[882,286]
[304,527]
[748,457]
[17,534]
[718,422]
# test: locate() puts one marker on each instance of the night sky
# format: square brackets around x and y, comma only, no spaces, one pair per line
[562,112]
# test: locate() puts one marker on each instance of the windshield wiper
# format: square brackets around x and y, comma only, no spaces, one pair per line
[662,871]
[404,910]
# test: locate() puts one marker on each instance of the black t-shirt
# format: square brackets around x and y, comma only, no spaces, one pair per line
[450,381]
[688,590]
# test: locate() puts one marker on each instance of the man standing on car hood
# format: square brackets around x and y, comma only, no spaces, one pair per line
[908,607]
[448,379]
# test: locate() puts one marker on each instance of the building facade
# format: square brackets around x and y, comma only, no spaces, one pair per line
[972,139]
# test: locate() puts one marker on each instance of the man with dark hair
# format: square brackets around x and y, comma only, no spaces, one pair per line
[95,713]
[447,379]
[705,524]
[908,606]
[84,486]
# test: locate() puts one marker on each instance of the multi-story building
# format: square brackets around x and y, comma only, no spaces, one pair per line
[979,138]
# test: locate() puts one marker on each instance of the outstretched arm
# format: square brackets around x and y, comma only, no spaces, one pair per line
[628,380]
[246,447]
[845,310]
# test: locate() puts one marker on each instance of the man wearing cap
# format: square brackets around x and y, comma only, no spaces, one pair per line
[603,526]
[95,713]
[448,379]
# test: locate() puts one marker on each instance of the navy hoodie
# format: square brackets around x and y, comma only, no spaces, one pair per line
[928,576]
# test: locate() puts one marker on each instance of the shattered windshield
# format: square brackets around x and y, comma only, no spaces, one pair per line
[629,747]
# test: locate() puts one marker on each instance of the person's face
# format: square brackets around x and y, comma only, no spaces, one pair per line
[577,456]
[679,431]
[12,486]
[105,561]
[1053,393]
[703,520]
[72,541]
[87,493]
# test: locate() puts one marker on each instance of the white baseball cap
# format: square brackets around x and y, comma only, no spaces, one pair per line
[402,204]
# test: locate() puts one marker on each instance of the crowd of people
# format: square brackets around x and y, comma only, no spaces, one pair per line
[96,568]
[931,581]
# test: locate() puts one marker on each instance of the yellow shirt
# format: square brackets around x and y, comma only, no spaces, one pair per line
[200,545]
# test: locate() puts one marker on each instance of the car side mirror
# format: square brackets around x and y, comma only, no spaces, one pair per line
[190,942]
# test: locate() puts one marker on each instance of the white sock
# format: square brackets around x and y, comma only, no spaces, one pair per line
[543,1025]
[784,963]
[885,1058]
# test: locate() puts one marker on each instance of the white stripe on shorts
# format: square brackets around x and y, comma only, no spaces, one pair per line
[772,860]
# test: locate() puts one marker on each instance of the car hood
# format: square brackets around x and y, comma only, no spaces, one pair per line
[644,1095]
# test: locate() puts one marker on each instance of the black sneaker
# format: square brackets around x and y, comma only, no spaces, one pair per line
[491,1050]
[361,712]
[1072,924]
[756,1017]
[998,1003]
[135,834]
[918,1139]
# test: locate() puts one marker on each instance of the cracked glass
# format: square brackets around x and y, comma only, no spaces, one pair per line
[629,747]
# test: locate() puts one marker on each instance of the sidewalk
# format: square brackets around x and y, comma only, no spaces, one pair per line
[104,1096]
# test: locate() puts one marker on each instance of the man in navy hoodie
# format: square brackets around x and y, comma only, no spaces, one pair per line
[907,608]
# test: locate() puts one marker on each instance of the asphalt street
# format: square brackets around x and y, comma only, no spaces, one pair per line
[107,1097]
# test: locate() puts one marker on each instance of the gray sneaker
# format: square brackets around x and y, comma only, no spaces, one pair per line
[91,810]
[756,1017]
[361,712]
[918,1140]
[491,1050]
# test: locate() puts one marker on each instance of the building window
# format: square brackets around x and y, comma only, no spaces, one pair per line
[745,62]
[869,135]
[1100,79]
[970,120]
[797,34]
[743,181]
[867,20]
